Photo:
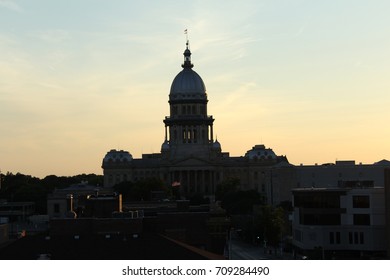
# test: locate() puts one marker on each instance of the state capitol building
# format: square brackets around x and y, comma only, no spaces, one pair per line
[192,157]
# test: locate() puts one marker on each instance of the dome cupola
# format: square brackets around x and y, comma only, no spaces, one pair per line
[187,84]
[188,128]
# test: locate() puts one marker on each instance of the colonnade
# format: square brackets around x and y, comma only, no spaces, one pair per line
[194,181]
[190,134]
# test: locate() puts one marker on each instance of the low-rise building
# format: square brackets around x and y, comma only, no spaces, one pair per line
[74,197]
[340,222]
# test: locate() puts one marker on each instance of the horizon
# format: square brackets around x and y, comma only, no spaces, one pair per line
[306,79]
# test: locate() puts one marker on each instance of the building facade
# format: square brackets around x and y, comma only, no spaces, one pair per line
[190,155]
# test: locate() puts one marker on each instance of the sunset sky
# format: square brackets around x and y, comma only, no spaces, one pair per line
[309,79]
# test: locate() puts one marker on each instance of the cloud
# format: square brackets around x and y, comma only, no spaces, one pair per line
[11,5]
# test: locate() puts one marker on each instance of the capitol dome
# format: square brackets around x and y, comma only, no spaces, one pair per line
[260,152]
[187,84]
[118,156]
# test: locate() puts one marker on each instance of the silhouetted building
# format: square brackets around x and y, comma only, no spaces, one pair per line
[16,211]
[72,198]
[190,153]
[102,206]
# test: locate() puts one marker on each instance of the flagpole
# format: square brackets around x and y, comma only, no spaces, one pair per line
[186,32]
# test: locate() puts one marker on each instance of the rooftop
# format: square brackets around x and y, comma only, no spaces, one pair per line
[99,247]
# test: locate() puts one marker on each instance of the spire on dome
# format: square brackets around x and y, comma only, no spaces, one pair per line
[187,54]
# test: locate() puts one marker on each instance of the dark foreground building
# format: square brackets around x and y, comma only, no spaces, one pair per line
[150,230]
[99,247]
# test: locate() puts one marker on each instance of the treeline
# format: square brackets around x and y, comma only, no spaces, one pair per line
[20,187]
[257,221]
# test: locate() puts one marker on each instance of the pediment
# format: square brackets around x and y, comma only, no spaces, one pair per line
[191,161]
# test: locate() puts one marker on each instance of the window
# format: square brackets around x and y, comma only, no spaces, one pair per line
[334,237]
[320,219]
[356,237]
[317,200]
[361,219]
[360,201]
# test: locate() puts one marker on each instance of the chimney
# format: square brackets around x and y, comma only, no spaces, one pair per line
[69,202]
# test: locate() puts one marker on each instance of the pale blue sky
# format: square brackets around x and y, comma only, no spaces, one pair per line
[309,79]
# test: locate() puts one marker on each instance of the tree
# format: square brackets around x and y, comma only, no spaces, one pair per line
[270,224]
[26,188]
[140,190]
[241,202]
[227,186]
